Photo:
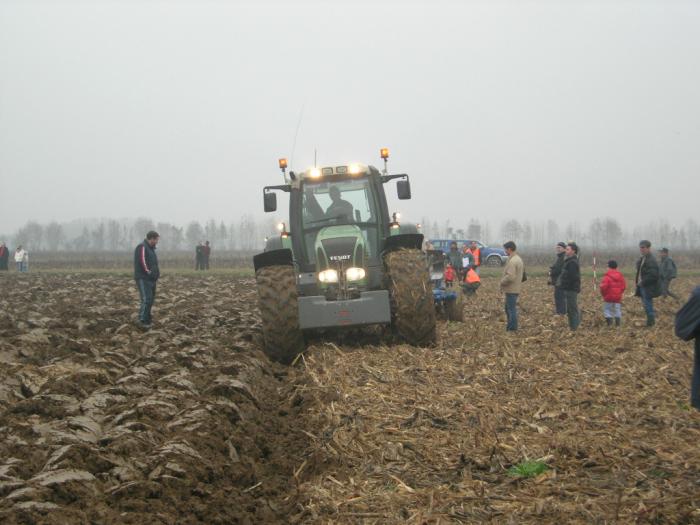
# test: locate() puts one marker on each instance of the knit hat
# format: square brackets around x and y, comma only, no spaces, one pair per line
[562,244]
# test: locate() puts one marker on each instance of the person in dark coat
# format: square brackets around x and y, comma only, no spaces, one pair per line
[4,257]
[554,271]
[647,280]
[206,252]
[199,257]
[687,328]
[569,281]
[454,257]
[146,274]
[667,272]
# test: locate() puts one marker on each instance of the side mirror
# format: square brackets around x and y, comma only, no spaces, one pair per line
[403,189]
[270,201]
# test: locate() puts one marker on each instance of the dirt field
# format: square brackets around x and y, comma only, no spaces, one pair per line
[189,423]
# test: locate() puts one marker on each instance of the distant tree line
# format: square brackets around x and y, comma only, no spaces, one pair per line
[600,233]
[248,233]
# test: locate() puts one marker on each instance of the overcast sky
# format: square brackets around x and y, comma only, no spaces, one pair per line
[180,110]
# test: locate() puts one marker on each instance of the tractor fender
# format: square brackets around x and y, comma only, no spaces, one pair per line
[281,257]
[403,240]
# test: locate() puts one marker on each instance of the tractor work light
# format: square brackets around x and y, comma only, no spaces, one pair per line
[341,170]
[314,173]
[355,274]
[328,276]
[354,169]
[327,171]
[281,226]
[283,164]
[384,152]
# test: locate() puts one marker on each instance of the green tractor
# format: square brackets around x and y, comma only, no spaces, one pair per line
[343,261]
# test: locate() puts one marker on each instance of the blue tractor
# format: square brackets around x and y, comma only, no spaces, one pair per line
[447,294]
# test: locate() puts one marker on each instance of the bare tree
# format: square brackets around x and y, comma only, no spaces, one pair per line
[511,230]
[54,235]
[194,233]
[113,235]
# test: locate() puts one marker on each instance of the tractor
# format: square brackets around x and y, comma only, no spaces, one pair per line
[342,261]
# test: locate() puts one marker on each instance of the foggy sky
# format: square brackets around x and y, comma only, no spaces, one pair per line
[180,110]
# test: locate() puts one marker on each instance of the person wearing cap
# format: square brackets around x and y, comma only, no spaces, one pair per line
[647,280]
[569,281]
[511,284]
[554,271]
[687,328]
[667,272]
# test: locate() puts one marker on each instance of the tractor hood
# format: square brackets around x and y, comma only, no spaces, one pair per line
[340,246]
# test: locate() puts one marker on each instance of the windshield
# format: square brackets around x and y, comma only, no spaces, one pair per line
[339,202]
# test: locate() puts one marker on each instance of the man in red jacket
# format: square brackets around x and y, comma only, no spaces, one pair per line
[612,287]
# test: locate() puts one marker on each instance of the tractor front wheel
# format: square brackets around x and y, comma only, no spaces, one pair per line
[277,300]
[412,303]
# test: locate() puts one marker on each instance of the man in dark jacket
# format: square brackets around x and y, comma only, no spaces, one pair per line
[199,256]
[146,274]
[554,272]
[569,281]
[4,256]
[647,280]
[667,272]
[455,259]
[687,328]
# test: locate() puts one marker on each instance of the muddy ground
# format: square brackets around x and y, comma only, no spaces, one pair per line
[189,423]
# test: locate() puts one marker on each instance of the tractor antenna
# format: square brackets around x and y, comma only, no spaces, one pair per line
[315,158]
[296,134]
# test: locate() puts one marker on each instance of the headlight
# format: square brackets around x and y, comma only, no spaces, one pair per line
[354,169]
[314,173]
[355,274]
[328,276]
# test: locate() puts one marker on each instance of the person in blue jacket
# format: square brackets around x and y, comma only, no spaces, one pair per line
[687,328]
[146,274]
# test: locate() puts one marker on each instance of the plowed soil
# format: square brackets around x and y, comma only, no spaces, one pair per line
[190,423]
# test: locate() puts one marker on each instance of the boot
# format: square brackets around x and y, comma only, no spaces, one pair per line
[608,320]
[651,321]
[617,321]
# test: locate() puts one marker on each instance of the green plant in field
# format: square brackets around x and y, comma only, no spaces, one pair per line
[528,469]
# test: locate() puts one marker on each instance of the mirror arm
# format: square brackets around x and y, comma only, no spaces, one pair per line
[387,178]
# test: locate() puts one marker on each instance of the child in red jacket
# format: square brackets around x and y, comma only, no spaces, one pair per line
[450,276]
[612,287]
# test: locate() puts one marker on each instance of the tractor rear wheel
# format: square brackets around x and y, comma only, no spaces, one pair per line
[277,300]
[411,296]
[455,309]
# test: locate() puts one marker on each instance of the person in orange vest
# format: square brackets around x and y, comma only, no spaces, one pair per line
[472,281]
[475,255]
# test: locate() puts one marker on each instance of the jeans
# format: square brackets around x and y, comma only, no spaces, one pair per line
[511,312]
[611,310]
[147,292]
[572,309]
[559,301]
[19,266]
[695,382]
[647,302]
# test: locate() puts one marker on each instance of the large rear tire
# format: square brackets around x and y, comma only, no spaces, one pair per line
[412,303]
[277,300]
[455,309]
